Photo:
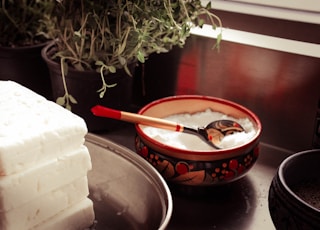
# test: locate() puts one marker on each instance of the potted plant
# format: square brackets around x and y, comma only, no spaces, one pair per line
[23,35]
[105,38]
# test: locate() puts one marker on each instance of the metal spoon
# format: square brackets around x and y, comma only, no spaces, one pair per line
[212,133]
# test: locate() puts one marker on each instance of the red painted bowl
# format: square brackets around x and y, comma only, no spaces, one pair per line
[191,166]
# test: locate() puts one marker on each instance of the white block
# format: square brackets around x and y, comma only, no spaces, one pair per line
[77,217]
[33,129]
[45,206]
[20,188]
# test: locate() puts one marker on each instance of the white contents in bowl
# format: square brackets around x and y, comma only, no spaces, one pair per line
[200,119]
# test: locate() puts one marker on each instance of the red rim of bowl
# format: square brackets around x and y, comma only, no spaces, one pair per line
[202,152]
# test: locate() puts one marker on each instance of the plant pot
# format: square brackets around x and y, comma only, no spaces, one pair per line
[83,86]
[25,66]
[157,77]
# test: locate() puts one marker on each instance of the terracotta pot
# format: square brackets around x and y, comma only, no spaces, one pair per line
[25,66]
[83,86]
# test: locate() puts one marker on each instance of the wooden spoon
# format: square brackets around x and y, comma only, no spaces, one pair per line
[212,133]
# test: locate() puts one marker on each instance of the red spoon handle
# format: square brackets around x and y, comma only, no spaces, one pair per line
[102,111]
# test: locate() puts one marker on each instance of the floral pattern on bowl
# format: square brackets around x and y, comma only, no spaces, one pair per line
[189,172]
[193,166]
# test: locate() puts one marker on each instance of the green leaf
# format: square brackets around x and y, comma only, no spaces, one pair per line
[99,63]
[101,94]
[77,33]
[61,101]
[112,69]
[122,60]
[140,57]
[217,44]
[200,22]
[72,99]
[68,107]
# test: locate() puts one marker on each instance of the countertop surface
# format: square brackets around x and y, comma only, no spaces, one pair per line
[242,204]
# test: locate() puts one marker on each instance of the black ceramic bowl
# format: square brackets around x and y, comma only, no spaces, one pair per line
[294,195]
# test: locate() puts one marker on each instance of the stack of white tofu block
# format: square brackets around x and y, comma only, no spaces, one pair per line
[43,164]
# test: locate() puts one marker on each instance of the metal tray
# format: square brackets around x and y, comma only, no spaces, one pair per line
[126,191]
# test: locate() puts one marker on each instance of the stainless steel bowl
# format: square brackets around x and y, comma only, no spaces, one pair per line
[128,193]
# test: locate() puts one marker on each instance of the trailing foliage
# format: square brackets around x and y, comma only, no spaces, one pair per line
[22,22]
[106,35]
